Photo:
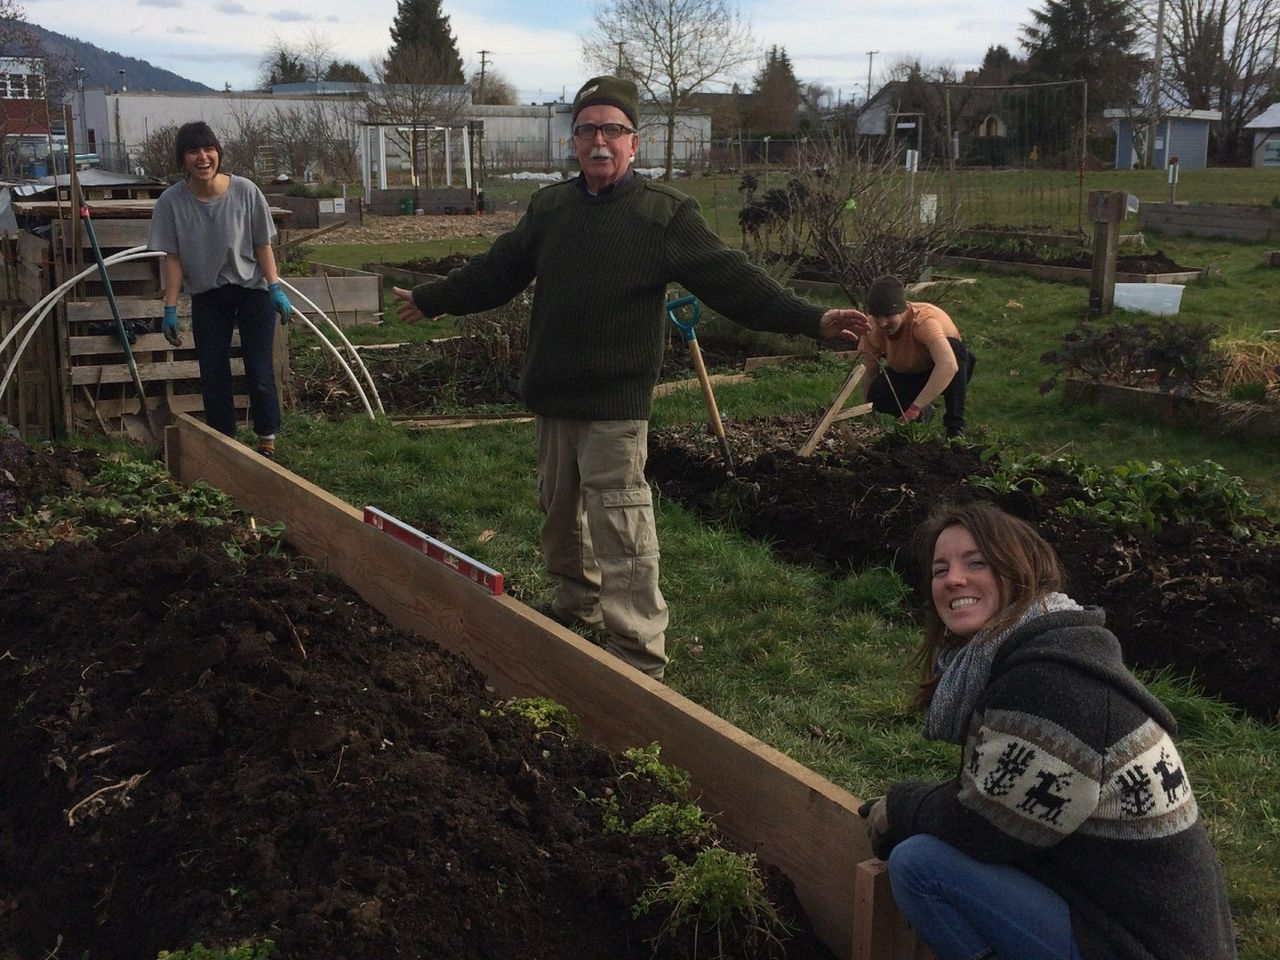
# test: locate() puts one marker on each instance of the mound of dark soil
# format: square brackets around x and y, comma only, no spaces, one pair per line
[1125,263]
[201,739]
[1189,597]
[440,267]
[429,378]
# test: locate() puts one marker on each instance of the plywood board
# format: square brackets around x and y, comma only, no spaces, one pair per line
[792,817]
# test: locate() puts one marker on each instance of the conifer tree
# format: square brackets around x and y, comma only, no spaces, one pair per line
[420,25]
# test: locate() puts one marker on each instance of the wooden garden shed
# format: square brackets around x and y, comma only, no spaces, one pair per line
[1180,134]
[1266,137]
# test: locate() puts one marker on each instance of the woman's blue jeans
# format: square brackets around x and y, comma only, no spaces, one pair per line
[215,315]
[965,909]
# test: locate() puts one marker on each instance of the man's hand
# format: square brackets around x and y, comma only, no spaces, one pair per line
[848,323]
[406,309]
[280,301]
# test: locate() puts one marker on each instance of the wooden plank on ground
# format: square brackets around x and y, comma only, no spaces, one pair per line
[453,423]
[671,386]
[755,363]
[793,818]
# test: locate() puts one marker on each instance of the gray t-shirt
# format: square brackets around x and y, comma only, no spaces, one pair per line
[215,239]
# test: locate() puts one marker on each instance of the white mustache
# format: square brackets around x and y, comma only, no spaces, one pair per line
[601,155]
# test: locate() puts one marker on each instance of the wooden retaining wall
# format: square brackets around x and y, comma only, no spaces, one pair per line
[1249,420]
[1232,221]
[793,818]
[310,213]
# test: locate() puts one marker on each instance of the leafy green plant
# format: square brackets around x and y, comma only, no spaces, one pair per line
[721,895]
[244,951]
[543,713]
[1173,356]
[1248,393]
[645,763]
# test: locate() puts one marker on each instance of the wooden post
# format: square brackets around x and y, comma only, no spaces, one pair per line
[1106,210]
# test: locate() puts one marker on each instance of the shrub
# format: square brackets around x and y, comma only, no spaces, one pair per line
[1175,357]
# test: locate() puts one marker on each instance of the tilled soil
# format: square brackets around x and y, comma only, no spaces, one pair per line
[203,738]
[1189,597]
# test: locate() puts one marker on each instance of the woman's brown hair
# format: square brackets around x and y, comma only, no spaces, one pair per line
[1025,566]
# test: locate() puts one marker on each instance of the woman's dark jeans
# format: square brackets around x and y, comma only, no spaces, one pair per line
[893,392]
[215,315]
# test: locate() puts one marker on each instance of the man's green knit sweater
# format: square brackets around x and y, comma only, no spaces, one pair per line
[602,266]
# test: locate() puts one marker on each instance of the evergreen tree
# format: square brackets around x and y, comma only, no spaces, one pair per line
[344,71]
[282,66]
[1089,40]
[775,97]
[421,25]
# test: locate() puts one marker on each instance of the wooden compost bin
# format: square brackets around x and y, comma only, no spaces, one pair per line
[80,375]
[1231,220]
[793,818]
[348,296]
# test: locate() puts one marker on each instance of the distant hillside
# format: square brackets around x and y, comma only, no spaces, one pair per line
[101,66]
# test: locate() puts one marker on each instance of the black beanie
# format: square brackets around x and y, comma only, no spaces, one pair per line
[613,91]
[885,297]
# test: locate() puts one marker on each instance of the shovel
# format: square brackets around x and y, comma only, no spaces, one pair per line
[142,428]
[690,334]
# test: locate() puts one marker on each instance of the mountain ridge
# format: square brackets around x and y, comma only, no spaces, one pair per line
[102,67]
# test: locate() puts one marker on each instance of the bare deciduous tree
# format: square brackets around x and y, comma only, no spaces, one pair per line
[1219,54]
[333,126]
[416,103]
[671,48]
[496,90]
[246,135]
[156,154]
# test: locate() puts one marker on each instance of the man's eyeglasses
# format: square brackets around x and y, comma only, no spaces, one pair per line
[611,131]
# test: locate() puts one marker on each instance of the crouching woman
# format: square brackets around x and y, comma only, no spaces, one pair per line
[1071,829]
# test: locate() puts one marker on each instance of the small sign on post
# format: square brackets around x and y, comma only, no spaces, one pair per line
[1173,180]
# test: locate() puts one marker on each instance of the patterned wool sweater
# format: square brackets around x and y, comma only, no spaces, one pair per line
[602,266]
[1069,773]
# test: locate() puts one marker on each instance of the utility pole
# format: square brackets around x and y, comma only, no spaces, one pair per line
[871,56]
[1155,90]
[483,63]
[621,44]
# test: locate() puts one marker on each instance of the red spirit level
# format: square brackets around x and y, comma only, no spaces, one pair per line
[455,560]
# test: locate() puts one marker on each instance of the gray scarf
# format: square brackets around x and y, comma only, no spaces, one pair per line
[965,670]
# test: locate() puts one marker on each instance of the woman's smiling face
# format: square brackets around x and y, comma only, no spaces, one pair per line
[965,589]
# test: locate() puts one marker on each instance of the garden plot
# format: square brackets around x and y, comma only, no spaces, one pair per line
[1188,596]
[204,738]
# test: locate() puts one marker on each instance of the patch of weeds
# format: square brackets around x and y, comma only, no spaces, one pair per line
[543,713]
[122,490]
[720,895]
[645,763]
[244,951]
[686,821]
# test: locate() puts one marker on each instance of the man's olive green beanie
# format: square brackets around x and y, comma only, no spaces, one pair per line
[613,91]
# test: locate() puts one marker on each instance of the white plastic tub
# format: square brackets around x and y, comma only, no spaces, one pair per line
[1162,299]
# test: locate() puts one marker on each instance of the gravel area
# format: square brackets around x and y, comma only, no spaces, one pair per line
[413,229]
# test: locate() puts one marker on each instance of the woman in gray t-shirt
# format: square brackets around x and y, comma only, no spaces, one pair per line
[217,231]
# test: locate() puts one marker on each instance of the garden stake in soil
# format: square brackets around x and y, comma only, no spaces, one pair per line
[688,330]
[144,423]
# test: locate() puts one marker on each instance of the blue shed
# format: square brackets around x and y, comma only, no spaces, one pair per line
[1180,134]
[1266,137]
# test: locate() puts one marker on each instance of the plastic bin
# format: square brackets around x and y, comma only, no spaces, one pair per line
[1162,299]
[406,205]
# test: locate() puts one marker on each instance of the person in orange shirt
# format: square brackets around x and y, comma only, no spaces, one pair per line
[924,357]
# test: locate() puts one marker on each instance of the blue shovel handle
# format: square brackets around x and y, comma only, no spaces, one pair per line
[686,327]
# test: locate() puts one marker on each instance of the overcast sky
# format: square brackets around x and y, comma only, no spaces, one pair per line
[535,45]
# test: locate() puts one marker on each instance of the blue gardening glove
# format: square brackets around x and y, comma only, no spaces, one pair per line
[169,325]
[280,302]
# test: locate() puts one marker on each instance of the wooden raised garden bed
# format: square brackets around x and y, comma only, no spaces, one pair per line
[793,818]
[350,297]
[1233,221]
[1050,272]
[1244,419]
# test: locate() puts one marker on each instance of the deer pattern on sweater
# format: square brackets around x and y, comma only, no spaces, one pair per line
[1038,782]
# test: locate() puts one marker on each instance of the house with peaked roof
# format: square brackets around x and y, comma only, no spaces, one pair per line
[1266,137]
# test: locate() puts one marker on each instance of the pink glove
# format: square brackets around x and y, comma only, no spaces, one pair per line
[911,413]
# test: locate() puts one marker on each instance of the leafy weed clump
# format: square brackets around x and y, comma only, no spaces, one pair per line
[245,951]
[720,895]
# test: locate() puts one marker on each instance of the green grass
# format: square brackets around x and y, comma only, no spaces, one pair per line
[815,665]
